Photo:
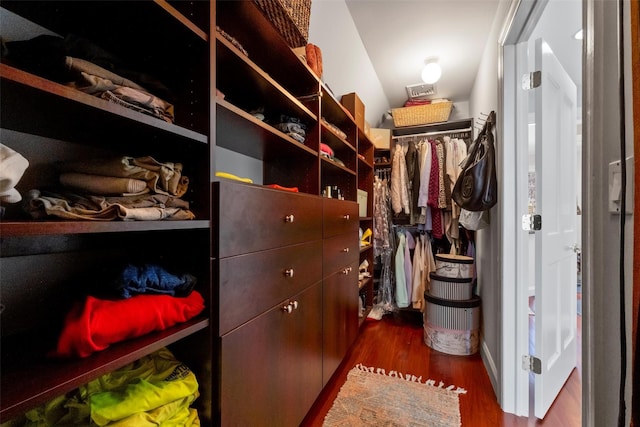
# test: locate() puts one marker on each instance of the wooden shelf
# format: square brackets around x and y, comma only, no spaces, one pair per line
[26,384]
[365,248]
[53,227]
[365,282]
[365,163]
[239,131]
[335,166]
[247,86]
[266,47]
[63,17]
[453,125]
[64,113]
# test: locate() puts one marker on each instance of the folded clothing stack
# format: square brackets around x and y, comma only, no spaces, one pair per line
[125,188]
[293,127]
[156,390]
[125,176]
[138,300]
[78,63]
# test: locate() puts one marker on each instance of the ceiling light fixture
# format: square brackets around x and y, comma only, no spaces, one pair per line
[431,72]
[578,34]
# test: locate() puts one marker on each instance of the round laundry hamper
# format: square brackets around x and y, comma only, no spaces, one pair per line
[450,288]
[459,266]
[452,327]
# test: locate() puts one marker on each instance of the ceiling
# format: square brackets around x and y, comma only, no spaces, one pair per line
[399,35]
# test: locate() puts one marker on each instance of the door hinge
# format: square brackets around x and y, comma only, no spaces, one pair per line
[531,80]
[531,364]
[532,222]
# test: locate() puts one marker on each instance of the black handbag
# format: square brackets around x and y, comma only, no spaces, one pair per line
[476,188]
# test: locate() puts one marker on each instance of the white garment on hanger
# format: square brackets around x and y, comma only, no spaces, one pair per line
[402,298]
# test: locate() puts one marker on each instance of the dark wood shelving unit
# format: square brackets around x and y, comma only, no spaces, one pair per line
[43,261]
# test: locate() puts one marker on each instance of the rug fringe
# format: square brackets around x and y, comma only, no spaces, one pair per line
[412,378]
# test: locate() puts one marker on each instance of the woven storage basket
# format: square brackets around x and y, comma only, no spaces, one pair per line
[421,114]
[290,18]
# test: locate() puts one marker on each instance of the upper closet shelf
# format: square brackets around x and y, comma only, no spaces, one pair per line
[64,113]
[266,47]
[247,86]
[156,24]
[239,131]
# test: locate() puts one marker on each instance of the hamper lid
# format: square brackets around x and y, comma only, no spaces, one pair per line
[472,302]
[434,276]
[461,259]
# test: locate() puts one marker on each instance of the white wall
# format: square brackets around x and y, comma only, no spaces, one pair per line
[484,99]
[347,67]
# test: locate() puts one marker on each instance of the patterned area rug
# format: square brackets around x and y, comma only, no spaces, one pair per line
[371,397]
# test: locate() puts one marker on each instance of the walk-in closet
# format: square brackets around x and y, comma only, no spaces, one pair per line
[308,212]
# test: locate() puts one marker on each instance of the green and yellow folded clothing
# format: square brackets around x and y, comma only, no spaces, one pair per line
[156,390]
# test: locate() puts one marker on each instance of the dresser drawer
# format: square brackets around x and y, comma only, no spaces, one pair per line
[338,252]
[252,283]
[272,365]
[340,217]
[249,218]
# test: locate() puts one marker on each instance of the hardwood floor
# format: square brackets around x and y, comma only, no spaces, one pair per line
[396,343]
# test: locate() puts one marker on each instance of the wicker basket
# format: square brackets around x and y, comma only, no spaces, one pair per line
[290,18]
[421,114]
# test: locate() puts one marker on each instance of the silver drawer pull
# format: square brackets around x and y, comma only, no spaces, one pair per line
[288,272]
[346,250]
[290,306]
[346,270]
[346,217]
[289,218]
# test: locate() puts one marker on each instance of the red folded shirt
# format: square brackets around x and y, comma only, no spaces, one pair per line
[95,324]
[326,149]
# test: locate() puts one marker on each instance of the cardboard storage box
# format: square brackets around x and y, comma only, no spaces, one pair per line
[354,105]
[381,138]
[362,203]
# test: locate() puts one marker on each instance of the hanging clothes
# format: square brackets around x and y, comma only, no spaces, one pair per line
[383,242]
[417,295]
[423,264]
[402,297]
[410,245]
[456,150]
[424,217]
[381,215]
[434,193]
[399,180]
[413,172]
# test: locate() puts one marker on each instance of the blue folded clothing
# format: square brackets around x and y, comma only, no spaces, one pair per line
[153,279]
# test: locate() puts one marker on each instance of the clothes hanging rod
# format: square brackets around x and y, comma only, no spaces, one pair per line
[440,132]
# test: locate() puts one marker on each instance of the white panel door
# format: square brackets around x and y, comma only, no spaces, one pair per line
[556,269]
